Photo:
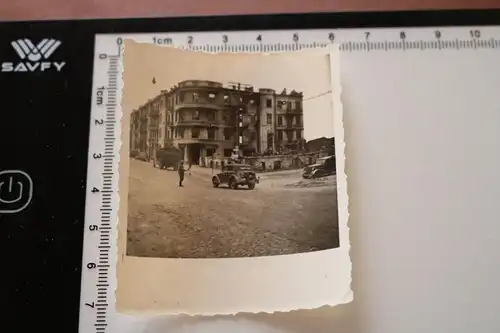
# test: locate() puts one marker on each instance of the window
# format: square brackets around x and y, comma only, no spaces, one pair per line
[293,104]
[196,97]
[180,133]
[280,120]
[211,96]
[211,116]
[299,134]
[269,140]
[211,133]
[196,115]
[226,116]
[279,104]
[280,135]
[269,118]
[227,133]
[226,98]
[195,133]
[269,103]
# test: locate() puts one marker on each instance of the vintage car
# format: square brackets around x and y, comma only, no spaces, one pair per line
[324,166]
[235,175]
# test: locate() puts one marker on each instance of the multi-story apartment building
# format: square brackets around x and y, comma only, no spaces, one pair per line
[289,128]
[204,118]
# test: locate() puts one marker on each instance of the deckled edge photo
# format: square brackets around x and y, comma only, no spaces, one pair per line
[229,286]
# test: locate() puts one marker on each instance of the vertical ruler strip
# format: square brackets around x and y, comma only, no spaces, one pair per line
[108,188]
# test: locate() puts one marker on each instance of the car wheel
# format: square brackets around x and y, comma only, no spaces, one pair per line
[251,186]
[215,182]
[232,184]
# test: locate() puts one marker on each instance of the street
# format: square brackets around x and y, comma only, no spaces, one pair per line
[284,214]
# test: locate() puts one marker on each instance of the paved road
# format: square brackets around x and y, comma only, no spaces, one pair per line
[282,215]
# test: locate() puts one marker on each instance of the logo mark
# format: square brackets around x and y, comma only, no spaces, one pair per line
[26,49]
[16,191]
[34,57]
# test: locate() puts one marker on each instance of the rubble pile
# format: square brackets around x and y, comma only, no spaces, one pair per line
[318,182]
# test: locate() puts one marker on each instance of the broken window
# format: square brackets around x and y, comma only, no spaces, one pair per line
[227,133]
[196,115]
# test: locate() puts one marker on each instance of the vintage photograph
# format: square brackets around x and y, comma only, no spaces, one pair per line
[233,193]
[229,158]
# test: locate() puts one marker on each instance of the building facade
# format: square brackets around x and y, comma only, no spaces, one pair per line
[206,118]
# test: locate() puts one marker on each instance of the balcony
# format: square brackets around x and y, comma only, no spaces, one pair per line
[294,111]
[187,140]
[200,103]
[281,126]
[198,122]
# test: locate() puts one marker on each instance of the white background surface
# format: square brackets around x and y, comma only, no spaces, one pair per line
[423,144]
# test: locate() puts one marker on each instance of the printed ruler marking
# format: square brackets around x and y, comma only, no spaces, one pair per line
[354,46]
[349,40]
[103,279]
[102,160]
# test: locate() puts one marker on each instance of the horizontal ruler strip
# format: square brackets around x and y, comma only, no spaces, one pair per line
[355,46]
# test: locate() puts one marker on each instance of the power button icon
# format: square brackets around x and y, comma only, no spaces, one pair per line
[16,191]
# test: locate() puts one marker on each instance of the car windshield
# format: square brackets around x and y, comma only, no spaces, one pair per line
[321,161]
[245,168]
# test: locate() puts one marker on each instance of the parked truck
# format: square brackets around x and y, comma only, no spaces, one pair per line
[168,157]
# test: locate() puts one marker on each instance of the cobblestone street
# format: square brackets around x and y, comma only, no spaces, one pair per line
[282,215]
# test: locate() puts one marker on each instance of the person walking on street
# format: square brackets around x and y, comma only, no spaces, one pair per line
[181,173]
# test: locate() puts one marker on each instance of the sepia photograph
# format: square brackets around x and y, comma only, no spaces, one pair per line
[230,156]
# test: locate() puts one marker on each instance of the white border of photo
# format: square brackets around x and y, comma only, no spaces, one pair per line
[228,286]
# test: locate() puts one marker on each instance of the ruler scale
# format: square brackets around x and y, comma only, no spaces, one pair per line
[97,303]
[98,265]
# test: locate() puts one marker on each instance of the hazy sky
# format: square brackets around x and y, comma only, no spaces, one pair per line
[306,72]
